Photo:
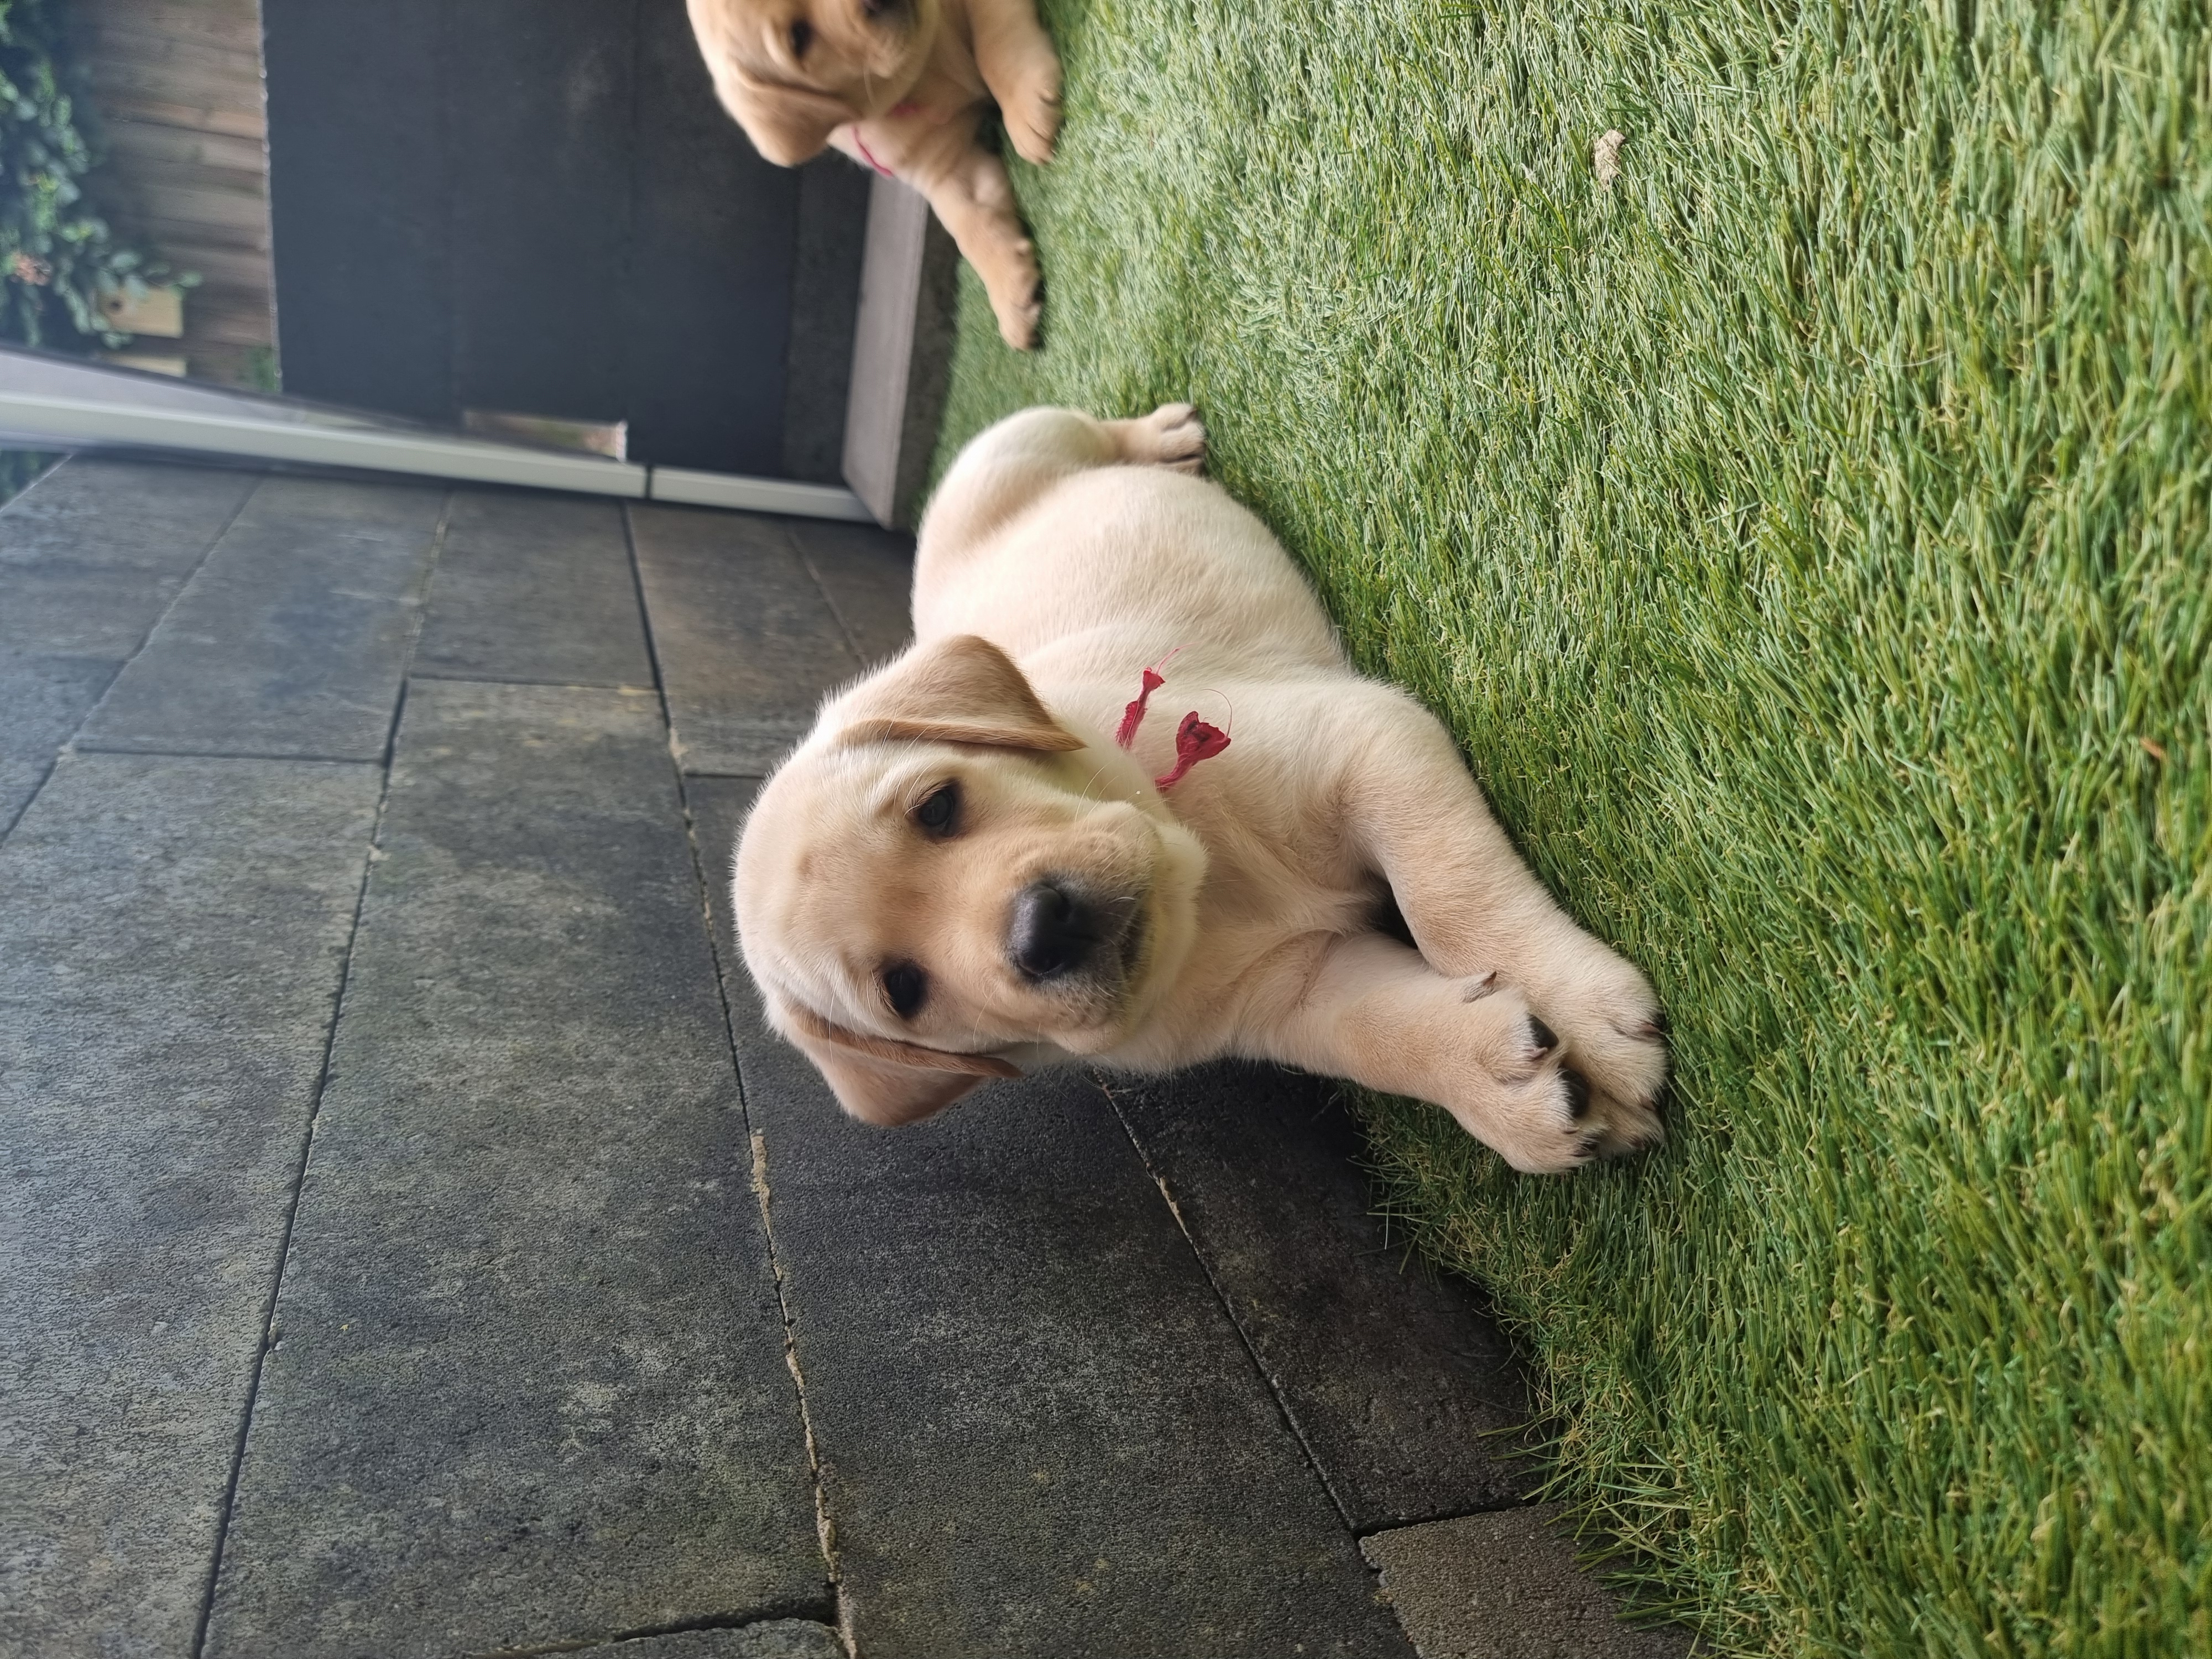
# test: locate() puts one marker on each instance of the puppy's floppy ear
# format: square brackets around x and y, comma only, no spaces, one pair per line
[961,689]
[883,1082]
[787,125]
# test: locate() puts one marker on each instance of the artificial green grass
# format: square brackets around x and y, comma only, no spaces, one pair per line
[1808,539]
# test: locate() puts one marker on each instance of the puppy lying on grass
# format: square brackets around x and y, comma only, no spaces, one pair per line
[901,86]
[964,873]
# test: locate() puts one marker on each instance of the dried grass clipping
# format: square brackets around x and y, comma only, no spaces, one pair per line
[1605,156]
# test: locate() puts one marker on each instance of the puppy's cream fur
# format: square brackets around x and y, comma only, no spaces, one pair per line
[1236,915]
[901,86]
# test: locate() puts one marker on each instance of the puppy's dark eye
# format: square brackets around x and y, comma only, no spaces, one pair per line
[802,36]
[906,985]
[940,814]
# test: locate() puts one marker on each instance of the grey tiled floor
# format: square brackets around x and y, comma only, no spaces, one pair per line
[413,1244]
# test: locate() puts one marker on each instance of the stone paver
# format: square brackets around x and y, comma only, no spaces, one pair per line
[43,700]
[1039,1432]
[529,1384]
[172,933]
[1404,1392]
[776,1639]
[92,554]
[867,575]
[746,640]
[534,588]
[1506,1586]
[528,1388]
[292,637]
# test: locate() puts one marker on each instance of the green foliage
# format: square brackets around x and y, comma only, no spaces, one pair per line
[260,372]
[1809,538]
[19,468]
[56,253]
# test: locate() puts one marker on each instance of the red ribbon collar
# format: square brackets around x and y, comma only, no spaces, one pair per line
[1195,740]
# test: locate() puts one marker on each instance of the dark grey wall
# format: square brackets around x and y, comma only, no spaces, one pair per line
[825,299]
[536,206]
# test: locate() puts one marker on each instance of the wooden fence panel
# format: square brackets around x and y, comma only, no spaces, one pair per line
[178,85]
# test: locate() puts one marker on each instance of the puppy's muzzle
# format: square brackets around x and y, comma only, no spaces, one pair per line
[1057,931]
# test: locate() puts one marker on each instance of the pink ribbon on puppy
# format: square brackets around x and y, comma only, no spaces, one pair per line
[867,155]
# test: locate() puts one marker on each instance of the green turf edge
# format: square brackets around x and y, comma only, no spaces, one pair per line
[1808,539]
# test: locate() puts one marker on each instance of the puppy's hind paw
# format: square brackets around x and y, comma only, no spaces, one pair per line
[1172,436]
[1018,324]
[1018,295]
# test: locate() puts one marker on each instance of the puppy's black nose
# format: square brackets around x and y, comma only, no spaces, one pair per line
[1053,931]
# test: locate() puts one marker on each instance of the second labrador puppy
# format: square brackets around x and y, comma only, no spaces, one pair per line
[1010,849]
[901,86]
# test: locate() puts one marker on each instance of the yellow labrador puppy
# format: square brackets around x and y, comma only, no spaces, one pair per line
[963,873]
[901,86]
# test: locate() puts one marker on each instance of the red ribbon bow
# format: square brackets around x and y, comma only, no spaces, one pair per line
[1133,715]
[1195,740]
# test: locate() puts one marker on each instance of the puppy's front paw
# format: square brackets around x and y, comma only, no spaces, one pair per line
[1032,114]
[1609,1127]
[1172,436]
[1615,1033]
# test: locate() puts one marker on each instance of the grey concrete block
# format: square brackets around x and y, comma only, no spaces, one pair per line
[92,554]
[746,640]
[903,343]
[1506,1586]
[534,587]
[529,1385]
[292,637]
[776,1639]
[172,933]
[867,576]
[43,700]
[1039,1432]
[1402,1388]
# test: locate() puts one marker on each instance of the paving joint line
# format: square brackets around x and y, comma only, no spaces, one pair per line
[649,1632]
[220,754]
[206,553]
[1382,1528]
[837,616]
[825,1529]
[270,1333]
[1283,1410]
[519,679]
